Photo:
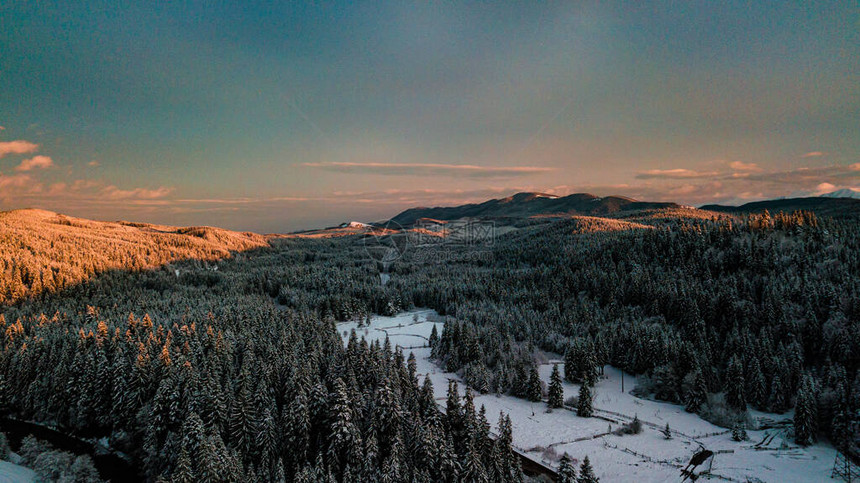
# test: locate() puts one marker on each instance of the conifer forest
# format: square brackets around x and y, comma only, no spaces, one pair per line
[232,369]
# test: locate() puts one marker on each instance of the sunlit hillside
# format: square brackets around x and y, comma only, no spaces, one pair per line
[42,251]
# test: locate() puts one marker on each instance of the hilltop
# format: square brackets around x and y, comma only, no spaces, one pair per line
[840,207]
[42,251]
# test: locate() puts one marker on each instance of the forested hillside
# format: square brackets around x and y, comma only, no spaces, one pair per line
[41,251]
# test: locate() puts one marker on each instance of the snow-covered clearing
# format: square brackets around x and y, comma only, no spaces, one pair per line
[646,457]
[12,473]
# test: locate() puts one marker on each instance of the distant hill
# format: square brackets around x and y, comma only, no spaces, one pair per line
[42,251]
[844,193]
[522,205]
[835,207]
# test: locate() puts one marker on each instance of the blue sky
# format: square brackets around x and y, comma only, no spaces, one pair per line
[273,116]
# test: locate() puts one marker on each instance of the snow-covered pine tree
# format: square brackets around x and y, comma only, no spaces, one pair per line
[344,438]
[433,341]
[805,412]
[183,473]
[566,470]
[555,392]
[535,392]
[696,393]
[735,387]
[583,406]
[586,472]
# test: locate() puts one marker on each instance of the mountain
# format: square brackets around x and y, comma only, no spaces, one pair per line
[42,251]
[844,193]
[824,206]
[523,205]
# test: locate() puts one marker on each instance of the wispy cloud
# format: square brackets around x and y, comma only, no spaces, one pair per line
[36,162]
[114,193]
[741,166]
[430,169]
[17,147]
[17,181]
[813,154]
[679,173]
[93,164]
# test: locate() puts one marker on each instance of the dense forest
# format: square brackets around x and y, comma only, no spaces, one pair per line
[201,376]
[718,314]
[232,368]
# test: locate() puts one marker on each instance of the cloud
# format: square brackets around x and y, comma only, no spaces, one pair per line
[93,164]
[741,166]
[114,193]
[679,173]
[823,188]
[17,147]
[813,154]
[854,167]
[40,162]
[430,169]
[16,181]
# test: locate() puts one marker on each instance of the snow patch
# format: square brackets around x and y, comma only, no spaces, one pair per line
[12,473]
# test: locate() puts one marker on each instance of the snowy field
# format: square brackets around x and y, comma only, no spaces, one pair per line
[12,473]
[646,457]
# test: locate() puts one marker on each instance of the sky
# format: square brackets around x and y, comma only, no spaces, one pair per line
[279,116]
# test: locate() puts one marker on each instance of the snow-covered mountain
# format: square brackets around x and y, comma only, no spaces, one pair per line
[844,193]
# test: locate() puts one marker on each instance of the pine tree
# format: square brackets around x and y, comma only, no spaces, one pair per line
[182,473]
[756,385]
[452,409]
[696,393]
[738,432]
[556,390]
[583,406]
[777,396]
[344,437]
[433,342]
[805,412]
[535,392]
[735,397]
[586,473]
[566,470]
[297,426]
[667,432]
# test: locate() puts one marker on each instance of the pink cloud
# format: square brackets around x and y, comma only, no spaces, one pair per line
[813,154]
[854,167]
[741,166]
[429,169]
[825,188]
[15,181]
[40,162]
[678,173]
[93,164]
[17,147]
[114,193]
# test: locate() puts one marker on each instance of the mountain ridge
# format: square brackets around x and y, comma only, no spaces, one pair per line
[824,206]
[526,204]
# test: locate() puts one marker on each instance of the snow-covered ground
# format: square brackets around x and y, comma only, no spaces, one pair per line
[12,473]
[646,457]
